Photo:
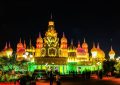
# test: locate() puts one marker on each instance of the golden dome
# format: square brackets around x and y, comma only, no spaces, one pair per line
[84,45]
[111,51]
[63,39]
[39,39]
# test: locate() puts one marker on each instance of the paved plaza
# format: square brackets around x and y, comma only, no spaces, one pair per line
[93,81]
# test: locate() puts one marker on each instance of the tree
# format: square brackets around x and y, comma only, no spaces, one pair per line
[117,67]
[108,66]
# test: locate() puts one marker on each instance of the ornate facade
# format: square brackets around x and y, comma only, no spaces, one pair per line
[53,52]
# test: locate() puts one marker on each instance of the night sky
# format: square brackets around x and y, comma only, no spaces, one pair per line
[97,21]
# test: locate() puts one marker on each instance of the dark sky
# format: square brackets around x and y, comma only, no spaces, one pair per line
[97,21]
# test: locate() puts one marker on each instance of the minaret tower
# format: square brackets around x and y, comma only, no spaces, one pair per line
[63,42]
[63,47]
[85,46]
[39,42]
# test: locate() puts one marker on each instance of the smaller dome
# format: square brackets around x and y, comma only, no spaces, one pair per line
[112,52]
[39,39]
[20,45]
[93,49]
[63,39]
[84,45]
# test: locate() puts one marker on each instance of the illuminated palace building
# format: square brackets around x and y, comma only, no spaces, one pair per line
[53,53]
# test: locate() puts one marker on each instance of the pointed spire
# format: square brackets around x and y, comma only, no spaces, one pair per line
[24,44]
[98,46]
[6,46]
[63,34]
[39,34]
[84,40]
[78,43]
[30,43]
[71,41]
[9,45]
[93,45]
[20,40]
[111,48]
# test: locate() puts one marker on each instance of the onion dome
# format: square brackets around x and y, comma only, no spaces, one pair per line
[63,39]
[112,52]
[20,45]
[39,39]
[84,45]
[94,48]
